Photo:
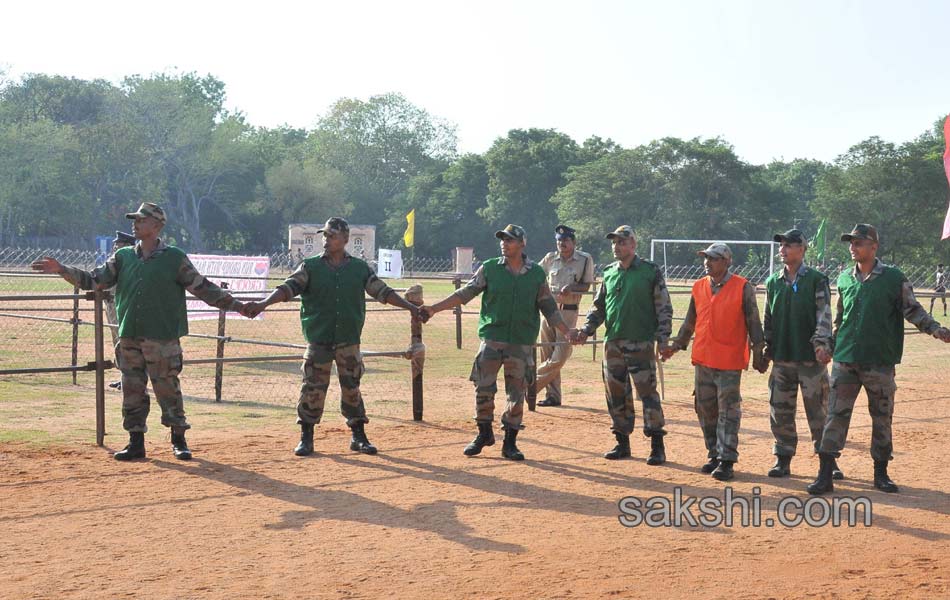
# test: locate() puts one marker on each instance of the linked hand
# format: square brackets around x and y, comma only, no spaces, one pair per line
[417,314]
[48,265]
[667,352]
[426,313]
[252,309]
[576,336]
[823,356]
[759,362]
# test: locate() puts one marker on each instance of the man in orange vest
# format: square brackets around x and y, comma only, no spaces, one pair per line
[725,317]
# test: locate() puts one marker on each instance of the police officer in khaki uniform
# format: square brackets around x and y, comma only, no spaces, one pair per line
[570,272]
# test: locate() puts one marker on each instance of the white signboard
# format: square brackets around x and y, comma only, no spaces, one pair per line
[303,241]
[240,273]
[390,264]
[464,257]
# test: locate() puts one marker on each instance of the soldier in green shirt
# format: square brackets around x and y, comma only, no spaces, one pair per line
[797,329]
[150,282]
[634,302]
[873,302]
[332,287]
[515,289]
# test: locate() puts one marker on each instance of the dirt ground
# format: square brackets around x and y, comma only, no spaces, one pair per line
[247,519]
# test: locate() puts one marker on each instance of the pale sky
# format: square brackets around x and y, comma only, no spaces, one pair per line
[776,79]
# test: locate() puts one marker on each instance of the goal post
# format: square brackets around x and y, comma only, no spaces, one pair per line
[663,243]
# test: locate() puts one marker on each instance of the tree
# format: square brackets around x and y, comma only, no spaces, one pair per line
[191,140]
[901,190]
[525,169]
[379,146]
[447,204]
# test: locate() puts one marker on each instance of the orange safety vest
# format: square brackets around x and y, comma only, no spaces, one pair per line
[722,339]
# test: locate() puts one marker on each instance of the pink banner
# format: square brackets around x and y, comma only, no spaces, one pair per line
[946,169]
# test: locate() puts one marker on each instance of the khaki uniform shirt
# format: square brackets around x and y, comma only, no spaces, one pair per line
[578,269]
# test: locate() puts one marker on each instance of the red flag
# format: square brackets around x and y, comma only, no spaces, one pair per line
[946,169]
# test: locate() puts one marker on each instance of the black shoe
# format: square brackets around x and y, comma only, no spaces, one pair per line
[657,450]
[622,449]
[305,447]
[710,465]
[179,445]
[360,443]
[135,449]
[116,385]
[549,401]
[823,483]
[881,480]
[782,466]
[724,471]
[835,471]
[485,437]
[508,448]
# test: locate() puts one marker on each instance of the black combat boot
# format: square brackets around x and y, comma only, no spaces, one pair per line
[485,437]
[823,483]
[135,449]
[710,465]
[657,450]
[508,448]
[622,449]
[724,471]
[305,447]
[360,443]
[179,445]
[782,466]
[550,401]
[881,480]
[836,471]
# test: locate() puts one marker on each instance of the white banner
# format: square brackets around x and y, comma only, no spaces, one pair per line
[240,273]
[390,264]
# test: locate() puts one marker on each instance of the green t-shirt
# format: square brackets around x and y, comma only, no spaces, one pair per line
[149,301]
[509,305]
[333,306]
[794,314]
[630,312]
[872,322]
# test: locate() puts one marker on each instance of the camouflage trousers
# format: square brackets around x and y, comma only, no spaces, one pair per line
[623,361]
[846,382]
[317,364]
[554,357]
[784,381]
[719,408]
[141,360]
[517,360]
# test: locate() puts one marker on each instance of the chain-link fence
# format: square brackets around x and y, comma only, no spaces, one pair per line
[48,332]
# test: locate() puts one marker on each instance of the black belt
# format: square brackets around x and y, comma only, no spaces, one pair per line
[568,306]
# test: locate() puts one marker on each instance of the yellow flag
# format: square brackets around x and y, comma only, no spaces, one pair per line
[409,238]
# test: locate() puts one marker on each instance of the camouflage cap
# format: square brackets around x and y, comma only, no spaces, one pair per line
[563,232]
[148,209]
[716,250]
[624,231]
[861,231]
[123,238]
[515,232]
[792,236]
[335,225]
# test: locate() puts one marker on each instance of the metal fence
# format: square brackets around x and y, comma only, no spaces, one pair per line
[54,337]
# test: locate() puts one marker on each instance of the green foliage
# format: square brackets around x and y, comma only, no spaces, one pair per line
[76,155]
